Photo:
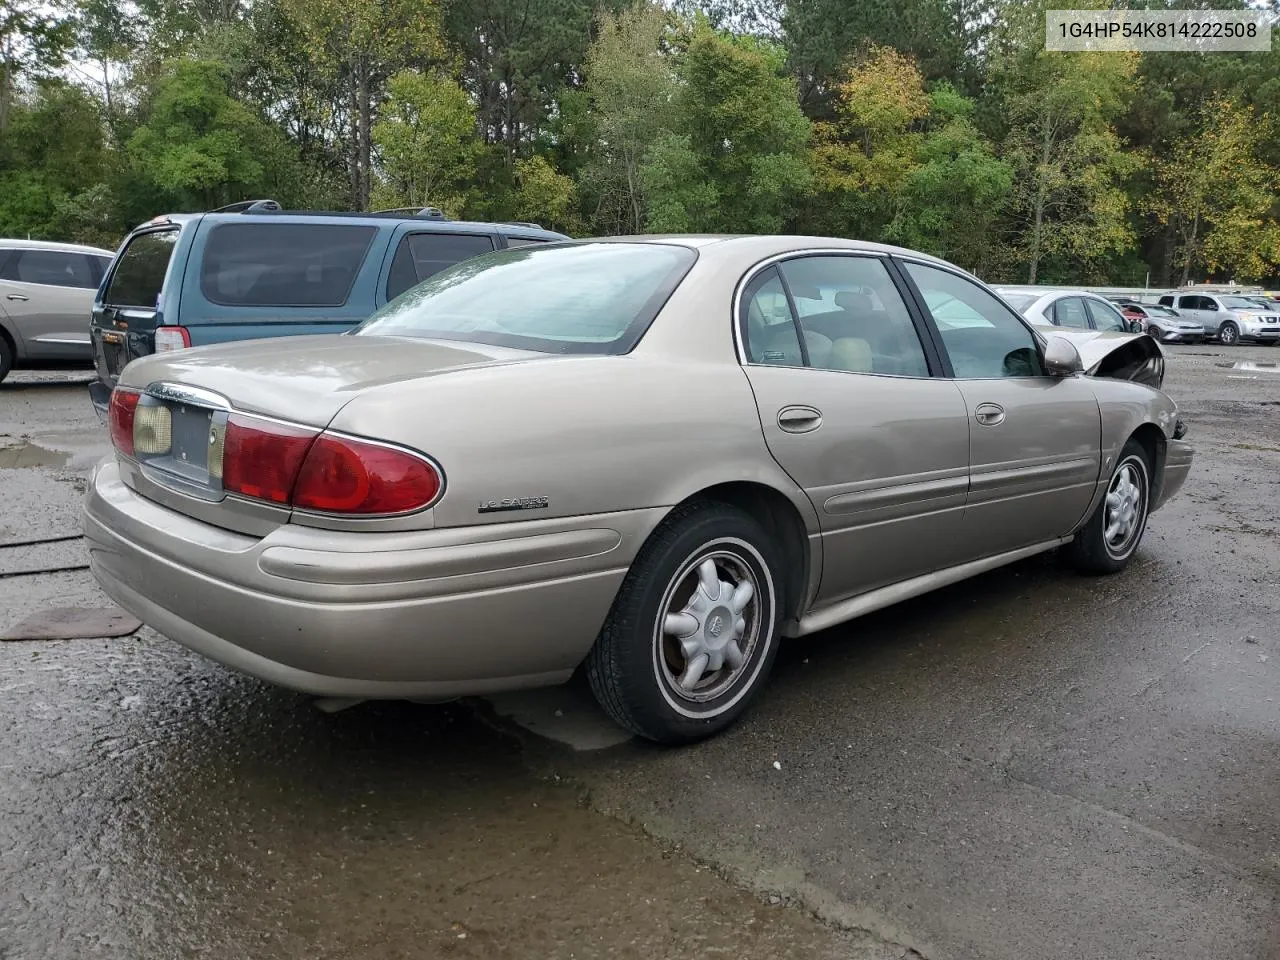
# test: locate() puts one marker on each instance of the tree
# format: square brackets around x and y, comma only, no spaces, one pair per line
[951,201]
[35,37]
[199,147]
[631,92]
[746,136]
[107,36]
[1218,197]
[426,137]
[517,57]
[861,158]
[544,196]
[364,43]
[53,183]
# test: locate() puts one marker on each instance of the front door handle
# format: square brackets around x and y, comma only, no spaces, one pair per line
[989,414]
[799,419]
[17,296]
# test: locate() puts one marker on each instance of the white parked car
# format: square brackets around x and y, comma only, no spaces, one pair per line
[1075,309]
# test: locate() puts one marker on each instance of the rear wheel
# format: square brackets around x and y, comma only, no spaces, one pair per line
[6,357]
[1107,542]
[693,631]
[1229,334]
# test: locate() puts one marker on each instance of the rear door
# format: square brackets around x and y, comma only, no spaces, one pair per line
[419,254]
[48,296]
[1035,440]
[1070,312]
[1196,307]
[126,314]
[856,417]
[1105,317]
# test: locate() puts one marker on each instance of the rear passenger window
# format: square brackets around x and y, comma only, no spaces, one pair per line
[283,264]
[52,268]
[1069,312]
[853,317]
[768,327]
[139,272]
[421,255]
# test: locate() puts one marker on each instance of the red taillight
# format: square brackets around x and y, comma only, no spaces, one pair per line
[120,415]
[169,339]
[342,475]
[261,458]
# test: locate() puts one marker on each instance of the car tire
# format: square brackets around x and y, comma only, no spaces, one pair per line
[6,357]
[1229,334]
[1126,504]
[654,678]
[1155,332]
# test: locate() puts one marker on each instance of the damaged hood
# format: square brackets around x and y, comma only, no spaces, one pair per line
[1123,356]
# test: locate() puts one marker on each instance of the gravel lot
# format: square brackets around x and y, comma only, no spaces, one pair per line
[1031,764]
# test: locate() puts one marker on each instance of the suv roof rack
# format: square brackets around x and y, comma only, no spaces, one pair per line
[433,213]
[248,206]
[522,223]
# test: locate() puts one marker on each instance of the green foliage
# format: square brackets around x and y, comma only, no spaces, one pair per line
[942,125]
[200,147]
[746,133]
[631,95]
[426,136]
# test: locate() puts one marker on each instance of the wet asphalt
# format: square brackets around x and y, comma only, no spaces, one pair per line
[1029,764]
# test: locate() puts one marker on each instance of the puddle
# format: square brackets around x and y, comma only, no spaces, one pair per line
[27,454]
[1253,366]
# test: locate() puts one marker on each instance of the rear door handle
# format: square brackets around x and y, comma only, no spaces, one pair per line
[989,414]
[799,419]
[17,296]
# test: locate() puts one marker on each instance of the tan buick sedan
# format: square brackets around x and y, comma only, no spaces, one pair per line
[655,457]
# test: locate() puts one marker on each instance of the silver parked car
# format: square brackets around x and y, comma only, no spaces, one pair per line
[46,298]
[658,456]
[1227,317]
[1164,323]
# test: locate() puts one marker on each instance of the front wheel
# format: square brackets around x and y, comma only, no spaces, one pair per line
[1229,334]
[1107,542]
[693,631]
[1155,332]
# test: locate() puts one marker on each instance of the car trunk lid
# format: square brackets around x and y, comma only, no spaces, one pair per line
[291,384]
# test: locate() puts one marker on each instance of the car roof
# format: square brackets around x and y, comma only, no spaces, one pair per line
[428,223]
[766,245]
[6,244]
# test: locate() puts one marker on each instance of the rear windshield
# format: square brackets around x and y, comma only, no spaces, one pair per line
[564,298]
[283,264]
[140,270]
[1019,301]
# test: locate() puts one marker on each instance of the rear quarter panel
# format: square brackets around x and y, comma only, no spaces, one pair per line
[592,435]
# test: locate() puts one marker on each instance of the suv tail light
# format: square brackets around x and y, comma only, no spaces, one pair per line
[344,475]
[120,413]
[169,339]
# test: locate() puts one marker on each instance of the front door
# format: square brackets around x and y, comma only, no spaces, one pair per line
[853,414]
[1035,440]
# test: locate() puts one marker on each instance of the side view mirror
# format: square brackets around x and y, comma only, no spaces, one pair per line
[1061,358]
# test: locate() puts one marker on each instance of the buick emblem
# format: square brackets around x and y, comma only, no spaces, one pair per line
[714,626]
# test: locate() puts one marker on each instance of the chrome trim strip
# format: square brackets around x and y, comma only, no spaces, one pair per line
[182,393]
[894,593]
[69,340]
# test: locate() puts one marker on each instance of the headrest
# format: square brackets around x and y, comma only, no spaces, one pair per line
[853,301]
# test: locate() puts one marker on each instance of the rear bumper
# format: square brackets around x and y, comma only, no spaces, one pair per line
[1177,464]
[425,614]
